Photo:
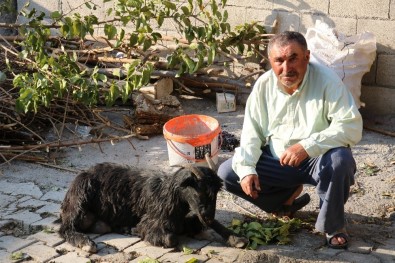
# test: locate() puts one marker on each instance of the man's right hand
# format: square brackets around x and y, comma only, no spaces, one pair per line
[250,185]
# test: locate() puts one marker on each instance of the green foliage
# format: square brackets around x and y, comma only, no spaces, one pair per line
[262,233]
[58,73]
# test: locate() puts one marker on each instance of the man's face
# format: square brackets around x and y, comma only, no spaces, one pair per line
[289,63]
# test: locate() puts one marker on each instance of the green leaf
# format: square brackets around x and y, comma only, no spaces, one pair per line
[187,250]
[185,10]
[110,31]
[56,15]
[192,260]
[169,5]
[159,19]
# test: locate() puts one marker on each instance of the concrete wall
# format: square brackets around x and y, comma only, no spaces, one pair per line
[349,17]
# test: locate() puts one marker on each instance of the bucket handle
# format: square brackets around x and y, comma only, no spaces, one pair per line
[190,158]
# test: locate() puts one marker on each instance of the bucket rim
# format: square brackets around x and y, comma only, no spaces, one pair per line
[186,139]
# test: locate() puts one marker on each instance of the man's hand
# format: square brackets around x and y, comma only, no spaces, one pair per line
[293,156]
[250,185]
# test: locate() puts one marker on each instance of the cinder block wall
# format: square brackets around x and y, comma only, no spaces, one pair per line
[349,17]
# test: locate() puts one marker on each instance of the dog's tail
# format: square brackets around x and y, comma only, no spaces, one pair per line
[77,239]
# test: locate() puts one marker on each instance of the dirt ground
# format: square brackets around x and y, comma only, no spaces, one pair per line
[370,209]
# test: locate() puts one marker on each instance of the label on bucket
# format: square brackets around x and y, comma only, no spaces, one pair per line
[184,153]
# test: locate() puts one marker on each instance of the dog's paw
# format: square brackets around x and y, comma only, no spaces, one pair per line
[90,248]
[237,241]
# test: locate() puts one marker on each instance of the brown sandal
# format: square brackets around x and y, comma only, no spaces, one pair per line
[289,210]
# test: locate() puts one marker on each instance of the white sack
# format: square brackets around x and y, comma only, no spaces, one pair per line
[349,56]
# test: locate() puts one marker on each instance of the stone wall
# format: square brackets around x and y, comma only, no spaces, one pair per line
[349,17]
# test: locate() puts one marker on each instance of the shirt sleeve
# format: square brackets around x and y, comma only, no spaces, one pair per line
[345,122]
[252,136]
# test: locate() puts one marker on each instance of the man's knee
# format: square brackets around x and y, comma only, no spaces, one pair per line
[225,170]
[342,158]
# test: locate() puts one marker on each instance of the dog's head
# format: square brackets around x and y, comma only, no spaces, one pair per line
[199,189]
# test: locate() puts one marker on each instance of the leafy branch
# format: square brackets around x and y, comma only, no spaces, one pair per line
[60,62]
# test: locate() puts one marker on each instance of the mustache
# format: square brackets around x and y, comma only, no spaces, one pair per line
[289,74]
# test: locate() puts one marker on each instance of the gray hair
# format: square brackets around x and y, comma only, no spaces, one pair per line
[284,38]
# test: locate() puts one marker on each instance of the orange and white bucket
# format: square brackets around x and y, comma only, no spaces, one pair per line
[190,137]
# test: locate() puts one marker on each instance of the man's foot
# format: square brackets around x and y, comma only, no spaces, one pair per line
[337,240]
[289,210]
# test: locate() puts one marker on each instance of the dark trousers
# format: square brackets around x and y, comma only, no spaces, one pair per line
[332,173]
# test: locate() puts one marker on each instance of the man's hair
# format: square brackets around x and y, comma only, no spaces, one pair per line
[286,38]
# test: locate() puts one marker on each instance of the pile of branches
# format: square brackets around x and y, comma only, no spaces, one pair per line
[61,81]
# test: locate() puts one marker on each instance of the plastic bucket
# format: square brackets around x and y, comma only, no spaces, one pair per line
[190,137]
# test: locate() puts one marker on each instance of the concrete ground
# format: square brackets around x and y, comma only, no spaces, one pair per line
[30,197]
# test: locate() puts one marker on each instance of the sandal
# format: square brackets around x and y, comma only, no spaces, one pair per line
[289,210]
[341,233]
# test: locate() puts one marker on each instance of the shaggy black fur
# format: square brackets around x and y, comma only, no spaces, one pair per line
[110,197]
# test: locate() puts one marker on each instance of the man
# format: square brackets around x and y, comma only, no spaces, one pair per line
[300,122]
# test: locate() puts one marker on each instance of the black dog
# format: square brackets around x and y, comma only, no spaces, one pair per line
[110,197]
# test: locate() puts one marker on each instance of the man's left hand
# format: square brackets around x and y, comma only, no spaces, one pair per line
[293,156]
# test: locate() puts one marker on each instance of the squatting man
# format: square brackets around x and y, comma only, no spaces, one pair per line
[300,122]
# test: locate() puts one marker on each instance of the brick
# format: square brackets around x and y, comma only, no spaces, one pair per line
[265,17]
[378,100]
[354,8]
[54,195]
[385,70]
[145,249]
[383,30]
[370,77]
[15,189]
[288,21]
[72,7]
[40,252]
[71,257]
[392,10]
[346,26]
[49,239]
[308,6]
[118,241]
[41,5]
[249,3]
[12,244]
[192,243]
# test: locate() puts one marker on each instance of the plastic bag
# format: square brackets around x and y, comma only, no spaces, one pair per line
[350,57]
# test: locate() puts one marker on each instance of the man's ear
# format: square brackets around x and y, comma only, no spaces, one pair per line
[308,55]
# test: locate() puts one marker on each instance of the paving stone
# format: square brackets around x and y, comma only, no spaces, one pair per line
[49,239]
[110,254]
[25,217]
[66,248]
[46,223]
[354,257]
[32,203]
[40,252]
[359,246]
[54,195]
[118,241]
[73,257]
[50,208]
[21,189]
[4,256]
[192,243]
[5,200]
[181,257]
[218,251]
[12,244]
[145,249]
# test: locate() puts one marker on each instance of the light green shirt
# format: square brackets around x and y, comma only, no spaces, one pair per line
[320,115]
